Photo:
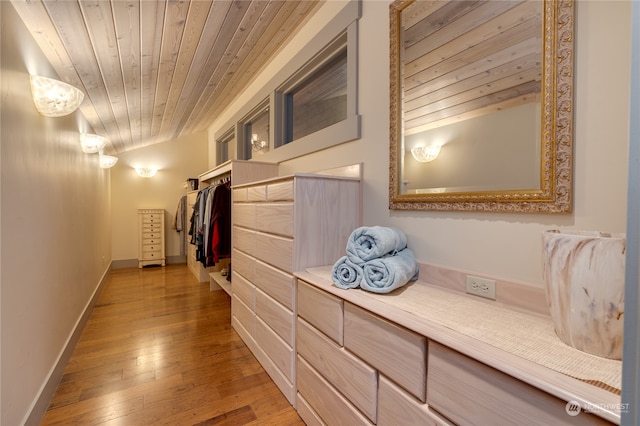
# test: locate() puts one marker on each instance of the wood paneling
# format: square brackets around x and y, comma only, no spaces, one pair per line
[156,70]
[159,349]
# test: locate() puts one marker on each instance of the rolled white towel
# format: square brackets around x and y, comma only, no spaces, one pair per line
[346,274]
[390,272]
[371,242]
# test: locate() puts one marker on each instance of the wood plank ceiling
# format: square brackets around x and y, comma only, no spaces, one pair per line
[154,70]
[467,58]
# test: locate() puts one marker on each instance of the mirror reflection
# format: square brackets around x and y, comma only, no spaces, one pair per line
[469,88]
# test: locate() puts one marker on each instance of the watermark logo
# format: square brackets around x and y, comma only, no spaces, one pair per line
[573,408]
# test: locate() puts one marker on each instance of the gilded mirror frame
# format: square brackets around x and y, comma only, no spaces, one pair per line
[556,169]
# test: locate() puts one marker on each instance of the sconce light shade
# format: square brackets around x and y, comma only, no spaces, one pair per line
[424,154]
[54,98]
[258,145]
[108,161]
[92,143]
[146,172]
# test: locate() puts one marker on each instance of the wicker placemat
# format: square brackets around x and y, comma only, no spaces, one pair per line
[528,336]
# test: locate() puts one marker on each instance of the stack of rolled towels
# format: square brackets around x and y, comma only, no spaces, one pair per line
[377,260]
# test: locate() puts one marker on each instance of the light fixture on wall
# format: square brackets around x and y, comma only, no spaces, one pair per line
[54,98]
[257,145]
[92,143]
[424,154]
[146,172]
[107,161]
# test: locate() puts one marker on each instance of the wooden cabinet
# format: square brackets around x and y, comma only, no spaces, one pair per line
[355,366]
[280,226]
[151,237]
[468,391]
[373,349]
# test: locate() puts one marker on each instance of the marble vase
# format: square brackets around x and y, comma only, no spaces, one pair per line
[584,285]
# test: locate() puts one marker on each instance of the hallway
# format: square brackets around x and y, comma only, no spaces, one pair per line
[159,349]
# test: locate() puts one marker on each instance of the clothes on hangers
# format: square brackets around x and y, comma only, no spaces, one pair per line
[210,227]
[180,223]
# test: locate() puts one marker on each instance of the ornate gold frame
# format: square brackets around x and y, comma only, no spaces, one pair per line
[555,193]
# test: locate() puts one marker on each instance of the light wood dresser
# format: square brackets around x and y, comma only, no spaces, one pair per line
[151,237]
[283,225]
[405,358]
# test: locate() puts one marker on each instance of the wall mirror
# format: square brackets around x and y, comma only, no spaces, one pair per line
[481,105]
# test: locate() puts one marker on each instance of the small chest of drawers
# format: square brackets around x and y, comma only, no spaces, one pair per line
[151,237]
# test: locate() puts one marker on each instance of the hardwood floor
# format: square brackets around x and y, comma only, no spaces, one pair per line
[159,350]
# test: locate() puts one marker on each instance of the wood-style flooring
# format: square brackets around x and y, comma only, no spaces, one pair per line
[159,349]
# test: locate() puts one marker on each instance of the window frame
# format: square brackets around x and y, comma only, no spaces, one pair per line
[308,58]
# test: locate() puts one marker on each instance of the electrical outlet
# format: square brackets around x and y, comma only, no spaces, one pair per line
[481,287]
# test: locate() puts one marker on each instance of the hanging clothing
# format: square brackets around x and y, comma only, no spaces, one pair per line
[180,223]
[220,227]
[210,227]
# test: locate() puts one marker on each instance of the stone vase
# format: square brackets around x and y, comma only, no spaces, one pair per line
[584,285]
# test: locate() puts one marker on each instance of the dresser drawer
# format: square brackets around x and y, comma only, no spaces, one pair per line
[279,318]
[324,399]
[243,239]
[151,227]
[151,234]
[395,351]
[243,264]
[355,379]
[306,413]
[245,316]
[280,353]
[149,240]
[257,193]
[468,391]
[151,248]
[244,215]
[274,282]
[275,218]
[322,310]
[280,191]
[274,250]
[151,217]
[397,407]
[244,290]
[239,195]
[152,254]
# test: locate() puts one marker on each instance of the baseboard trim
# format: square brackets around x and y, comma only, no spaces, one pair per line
[133,263]
[40,405]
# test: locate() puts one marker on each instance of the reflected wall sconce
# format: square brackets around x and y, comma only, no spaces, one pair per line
[424,154]
[146,172]
[256,144]
[54,98]
[107,161]
[92,143]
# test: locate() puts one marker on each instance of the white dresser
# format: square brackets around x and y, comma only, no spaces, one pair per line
[280,226]
[151,237]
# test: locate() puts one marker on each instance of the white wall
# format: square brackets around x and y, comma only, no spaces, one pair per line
[496,244]
[177,160]
[55,228]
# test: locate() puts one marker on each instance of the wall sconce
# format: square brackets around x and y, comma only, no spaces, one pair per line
[54,98]
[146,172]
[92,143]
[424,154]
[107,161]
[258,145]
